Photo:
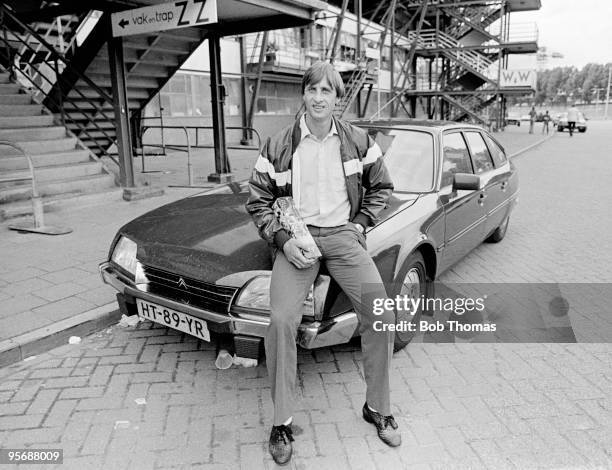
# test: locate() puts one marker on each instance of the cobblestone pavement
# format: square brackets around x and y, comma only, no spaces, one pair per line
[517,406]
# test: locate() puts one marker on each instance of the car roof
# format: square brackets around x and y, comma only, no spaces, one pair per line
[412,124]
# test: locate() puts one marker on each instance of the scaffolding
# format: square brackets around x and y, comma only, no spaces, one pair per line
[438,59]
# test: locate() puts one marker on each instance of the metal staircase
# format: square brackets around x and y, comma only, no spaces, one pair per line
[77,85]
[470,18]
[150,61]
[473,61]
[362,74]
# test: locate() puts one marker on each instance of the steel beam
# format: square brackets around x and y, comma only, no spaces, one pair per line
[122,112]
[217,99]
[244,119]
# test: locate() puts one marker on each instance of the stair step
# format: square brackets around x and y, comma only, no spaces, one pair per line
[20,109]
[33,133]
[21,99]
[131,56]
[5,77]
[133,82]
[83,185]
[25,121]
[57,202]
[9,88]
[50,173]
[39,147]
[45,159]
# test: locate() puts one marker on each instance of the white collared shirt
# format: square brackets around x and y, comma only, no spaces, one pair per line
[319,185]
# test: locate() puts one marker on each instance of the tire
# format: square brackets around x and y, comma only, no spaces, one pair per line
[412,281]
[500,232]
[560,128]
[581,130]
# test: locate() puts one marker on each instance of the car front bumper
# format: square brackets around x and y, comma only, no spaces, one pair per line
[311,334]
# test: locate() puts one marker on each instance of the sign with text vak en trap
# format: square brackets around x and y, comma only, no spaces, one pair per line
[172,15]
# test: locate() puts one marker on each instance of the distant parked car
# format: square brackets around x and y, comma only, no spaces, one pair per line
[513,120]
[581,124]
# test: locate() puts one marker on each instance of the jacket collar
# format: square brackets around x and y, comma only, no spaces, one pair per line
[305,131]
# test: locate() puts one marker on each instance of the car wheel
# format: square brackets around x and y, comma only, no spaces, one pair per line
[412,282]
[581,130]
[560,128]
[500,232]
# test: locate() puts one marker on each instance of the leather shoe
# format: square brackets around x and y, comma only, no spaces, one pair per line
[280,445]
[385,426]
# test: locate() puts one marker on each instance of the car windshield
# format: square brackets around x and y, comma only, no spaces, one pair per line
[409,157]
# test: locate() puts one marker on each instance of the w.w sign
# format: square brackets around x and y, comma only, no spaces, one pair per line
[518,78]
[179,14]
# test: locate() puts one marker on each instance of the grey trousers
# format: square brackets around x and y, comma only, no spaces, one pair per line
[344,254]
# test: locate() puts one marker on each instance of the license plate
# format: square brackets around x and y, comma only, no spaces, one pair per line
[173,319]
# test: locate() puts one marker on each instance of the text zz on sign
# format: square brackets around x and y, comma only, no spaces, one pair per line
[179,14]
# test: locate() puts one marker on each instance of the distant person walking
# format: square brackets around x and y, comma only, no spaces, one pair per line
[532,118]
[545,123]
[572,118]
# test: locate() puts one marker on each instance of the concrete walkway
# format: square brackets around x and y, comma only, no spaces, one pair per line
[50,288]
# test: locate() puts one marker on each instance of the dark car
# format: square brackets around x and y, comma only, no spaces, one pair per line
[198,265]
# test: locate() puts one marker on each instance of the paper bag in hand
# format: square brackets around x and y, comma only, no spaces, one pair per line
[290,220]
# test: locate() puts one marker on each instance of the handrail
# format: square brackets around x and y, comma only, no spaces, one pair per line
[186,129]
[189,170]
[37,204]
[197,128]
[8,143]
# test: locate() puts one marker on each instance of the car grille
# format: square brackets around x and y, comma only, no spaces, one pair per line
[190,291]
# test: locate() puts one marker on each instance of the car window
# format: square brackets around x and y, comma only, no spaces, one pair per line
[456,158]
[499,157]
[480,153]
[409,157]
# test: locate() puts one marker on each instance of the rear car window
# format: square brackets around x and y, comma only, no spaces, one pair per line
[499,157]
[456,158]
[480,153]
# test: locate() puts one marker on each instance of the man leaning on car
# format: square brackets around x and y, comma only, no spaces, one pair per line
[339,183]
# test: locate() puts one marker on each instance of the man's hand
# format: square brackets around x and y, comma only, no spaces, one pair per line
[296,250]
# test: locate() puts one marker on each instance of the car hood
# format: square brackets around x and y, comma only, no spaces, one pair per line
[206,236]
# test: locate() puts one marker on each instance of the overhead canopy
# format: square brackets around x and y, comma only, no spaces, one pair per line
[235,16]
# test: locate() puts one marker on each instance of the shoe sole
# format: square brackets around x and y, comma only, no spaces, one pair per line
[279,463]
[367,418]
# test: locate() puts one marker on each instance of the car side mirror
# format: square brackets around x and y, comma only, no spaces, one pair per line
[466,181]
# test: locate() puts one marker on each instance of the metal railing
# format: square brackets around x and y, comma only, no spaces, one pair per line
[523,32]
[54,78]
[188,147]
[433,39]
[37,204]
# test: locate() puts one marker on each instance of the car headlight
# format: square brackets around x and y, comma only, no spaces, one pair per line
[256,295]
[124,254]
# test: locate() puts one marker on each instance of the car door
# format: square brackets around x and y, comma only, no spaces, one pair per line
[492,165]
[465,215]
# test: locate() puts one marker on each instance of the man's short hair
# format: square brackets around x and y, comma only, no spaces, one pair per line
[320,70]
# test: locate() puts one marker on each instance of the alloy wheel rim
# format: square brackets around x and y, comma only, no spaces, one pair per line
[411,288]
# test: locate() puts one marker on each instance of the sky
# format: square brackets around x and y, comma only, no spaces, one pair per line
[581,30]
